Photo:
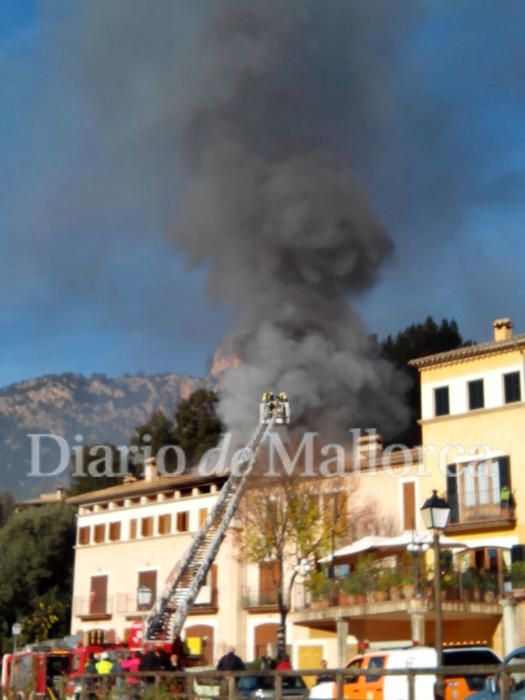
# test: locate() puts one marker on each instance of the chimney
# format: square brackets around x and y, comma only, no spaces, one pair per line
[370,446]
[150,469]
[502,329]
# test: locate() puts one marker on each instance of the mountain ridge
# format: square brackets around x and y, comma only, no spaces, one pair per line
[99,408]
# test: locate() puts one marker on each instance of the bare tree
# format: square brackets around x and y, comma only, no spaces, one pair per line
[287,520]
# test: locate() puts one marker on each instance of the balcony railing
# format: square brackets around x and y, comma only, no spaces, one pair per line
[377,585]
[255,598]
[126,603]
[93,608]
[486,513]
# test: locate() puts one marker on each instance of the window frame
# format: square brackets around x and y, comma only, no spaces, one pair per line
[437,401]
[473,397]
[508,387]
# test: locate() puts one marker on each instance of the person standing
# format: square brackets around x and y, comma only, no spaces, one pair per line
[104,666]
[284,664]
[324,676]
[231,662]
[178,653]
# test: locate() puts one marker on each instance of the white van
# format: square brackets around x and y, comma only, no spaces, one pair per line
[373,686]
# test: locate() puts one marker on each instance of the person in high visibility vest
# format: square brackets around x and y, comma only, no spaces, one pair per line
[104,666]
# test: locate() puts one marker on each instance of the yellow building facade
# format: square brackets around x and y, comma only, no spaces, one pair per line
[472,420]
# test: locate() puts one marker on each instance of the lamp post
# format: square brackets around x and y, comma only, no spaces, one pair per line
[416,549]
[435,512]
[16,629]
[303,568]
[144,599]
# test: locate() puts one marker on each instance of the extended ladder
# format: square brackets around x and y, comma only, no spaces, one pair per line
[167,617]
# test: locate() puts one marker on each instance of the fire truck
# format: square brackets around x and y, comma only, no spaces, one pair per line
[44,671]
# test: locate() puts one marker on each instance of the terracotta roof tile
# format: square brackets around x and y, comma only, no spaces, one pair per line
[140,486]
[470,351]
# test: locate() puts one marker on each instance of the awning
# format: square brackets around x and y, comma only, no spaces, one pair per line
[374,543]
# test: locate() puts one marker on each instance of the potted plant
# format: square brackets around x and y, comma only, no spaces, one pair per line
[319,586]
[354,587]
[489,591]
[388,582]
[408,586]
[351,587]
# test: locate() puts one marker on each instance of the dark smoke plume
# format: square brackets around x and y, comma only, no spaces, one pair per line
[284,226]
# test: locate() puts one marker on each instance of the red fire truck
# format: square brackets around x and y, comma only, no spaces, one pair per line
[42,672]
[35,674]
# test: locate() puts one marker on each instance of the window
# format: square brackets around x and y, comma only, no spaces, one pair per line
[146,527]
[355,666]
[373,663]
[83,535]
[512,387]
[164,524]
[475,490]
[268,577]
[98,594]
[476,398]
[441,401]
[114,532]
[203,512]
[183,521]
[100,533]
[133,529]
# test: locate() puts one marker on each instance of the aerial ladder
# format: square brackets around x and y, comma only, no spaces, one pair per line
[167,617]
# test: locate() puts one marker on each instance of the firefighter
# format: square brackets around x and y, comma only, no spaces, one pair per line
[104,666]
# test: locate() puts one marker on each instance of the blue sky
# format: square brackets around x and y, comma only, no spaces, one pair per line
[91,283]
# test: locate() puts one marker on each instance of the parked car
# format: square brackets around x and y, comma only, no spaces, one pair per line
[263,687]
[383,687]
[517,679]
[461,686]
[389,687]
[260,687]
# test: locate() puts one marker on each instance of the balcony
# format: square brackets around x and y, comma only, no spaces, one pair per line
[93,609]
[375,586]
[254,599]
[479,517]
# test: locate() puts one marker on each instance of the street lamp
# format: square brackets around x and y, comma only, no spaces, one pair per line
[435,512]
[303,568]
[16,629]
[144,600]
[416,548]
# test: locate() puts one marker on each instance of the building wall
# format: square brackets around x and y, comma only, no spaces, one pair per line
[456,376]
[465,436]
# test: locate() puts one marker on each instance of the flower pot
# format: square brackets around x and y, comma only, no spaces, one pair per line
[489,596]
[381,596]
[395,593]
[343,599]
[409,590]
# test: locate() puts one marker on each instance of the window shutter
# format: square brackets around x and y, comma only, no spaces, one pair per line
[409,505]
[504,472]
[452,492]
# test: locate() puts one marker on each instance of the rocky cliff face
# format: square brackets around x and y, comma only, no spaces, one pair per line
[101,409]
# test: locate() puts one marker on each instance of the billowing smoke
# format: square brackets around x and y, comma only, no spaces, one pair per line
[231,125]
[283,225]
